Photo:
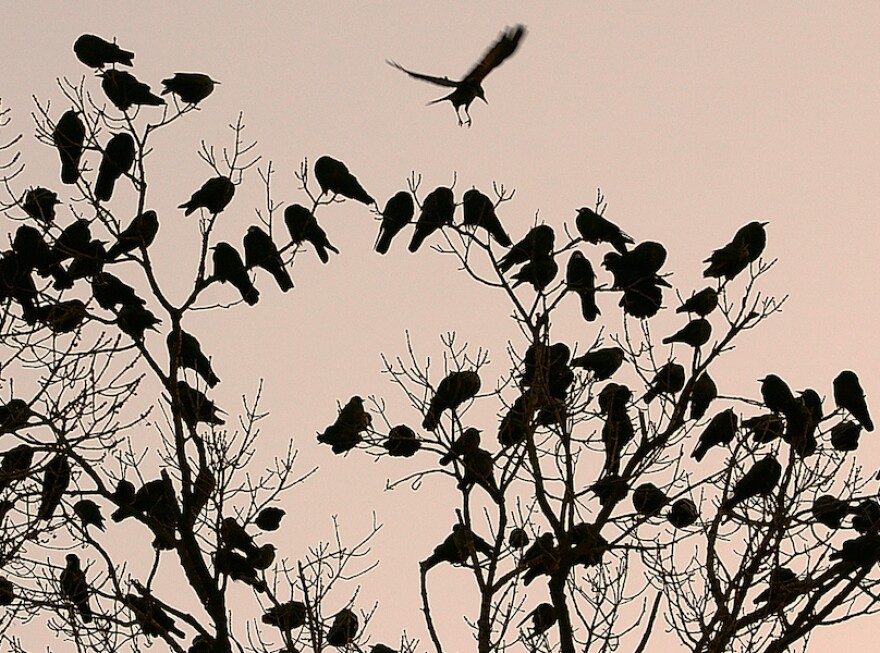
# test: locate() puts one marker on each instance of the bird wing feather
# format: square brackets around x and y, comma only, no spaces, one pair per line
[441,81]
[495,56]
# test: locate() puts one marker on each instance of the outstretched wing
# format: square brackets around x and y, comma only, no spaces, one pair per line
[503,48]
[441,81]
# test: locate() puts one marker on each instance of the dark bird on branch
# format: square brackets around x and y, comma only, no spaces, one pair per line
[259,250]
[228,267]
[304,227]
[518,538]
[286,616]
[134,320]
[73,240]
[13,415]
[437,211]
[848,394]
[829,510]
[74,587]
[140,232]
[765,428]
[196,407]
[39,203]
[56,478]
[587,544]
[720,430]
[701,303]
[470,86]
[613,400]
[703,393]
[617,432]
[543,618]
[758,481]
[479,468]
[542,558]
[95,52]
[234,536]
[649,500]
[866,516]
[191,88]
[683,513]
[345,433]
[610,489]
[68,136]
[539,272]
[187,350]
[123,496]
[595,229]
[537,243]
[639,265]
[237,567]
[845,436]
[398,213]
[16,463]
[7,592]
[456,548]
[89,261]
[862,551]
[747,245]
[269,519]
[333,177]
[110,291]
[784,586]
[452,392]
[90,513]
[117,159]
[603,363]
[33,253]
[62,317]
[777,395]
[344,628]
[479,211]
[668,380]
[402,442]
[695,333]
[124,90]
[581,280]
[153,620]
[214,195]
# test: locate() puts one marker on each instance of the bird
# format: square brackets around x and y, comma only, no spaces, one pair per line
[116,160]
[470,87]
[286,616]
[95,52]
[437,211]
[514,426]
[596,229]
[89,512]
[191,88]
[539,272]
[455,389]
[203,488]
[402,442]
[518,538]
[866,516]
[344,628]
[39,203]
[613,400]
[848,394]
[643,299]
[345,433]
[110,291]
[649,500]
[703,393]
[269,519]
[720,430]
[636,266]
[14,414]
[845,436]
[234,536]
[668,380]
[587,544]
[124,90]
[16,464]
[581,280]
[259,250]
[236,566]
[829,510]
[776,394]
[479,469]
[215,195]
[617,432]
[152,619]
[74,587]
[537,243]
[862,551]
[333,177]
[541,558]
[683,513]
[747,245]
[783,587]
[303,227]
[73,240]
[758,481]
[62,317]
[479,211]
[701,303]
[140,232]
[195,407]
[695,333]
[123,496]
[610,489]
[7,592]
[456,548]
[603,363]
[765,428]
[89,260]
[187,351]
[69,137]
[135,319]
[543,618]
[398,213]
[56,478]
[228,267]
[263,557]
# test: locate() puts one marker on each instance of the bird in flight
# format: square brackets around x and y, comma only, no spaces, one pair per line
[471,85]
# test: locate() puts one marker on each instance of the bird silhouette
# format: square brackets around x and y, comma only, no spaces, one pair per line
[73,240]
[95,52]
[191,88]
[228,267]
[303,227]
[479,469]
[89,260]
[479,211]
[668,380]
[776,394]
[134,320]
[234,536]
[269,519]
[196,407]
[117,159]
[39,203]
[7,592]
[537,243]
[456,548]
[214,195]
[470,86]
[264,556]
[683,513]
[455,389]
[703,393]
[333,177]
[398,213]
[518,538]
[56,478]
[344,628]
[695,333]
[610,489]
[110,291]
[187,350]
[286,616]
[16,464]
[587,544]
[124,90]
[758,481]
[541,558]
[437,211]
[845,436]
[862,551]
[701,303]
[543,618]
[140,232]
[613,400]
[829,510]
[69,136]
[649,500]
[402,442]
[345,432]
[62,317]
[866,516]
[150,616]
[848,394]
[720,430]
[259,250]
[595,229]
[783,587]
[539,272]
[747,245]
[74,587]
[14,414]
[89,512]
[603,363]
[581,280]
[617,432]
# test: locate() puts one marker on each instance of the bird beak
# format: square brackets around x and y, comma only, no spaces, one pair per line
[484,99]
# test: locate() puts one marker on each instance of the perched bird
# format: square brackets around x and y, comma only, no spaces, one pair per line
[829,510]
[587,544]
[110,291]
[479,469]
[452,392]
[777,395]
[402,442]
[518,538]
[56,478]
[286,616]
[479,211]
[123,496]
[134,320]
[7,592]
[16,464]
[437,211]
[683,513]
[13,415]
[269,519]
[39,203]
[259,250]
[74,587]
[581,280]
[595,229]
[543,618]
[862,551]
[640,264]
[69,136]
[643,299]
[537,243]
[89,261]
[617,432]
[73,240]
[848,394]
[17,283]
[701,303]
[303,227]
[456,548]
[203,488]
[610,489]
[668,380]
[765,428]
[333,177]
[214,195]
[703,393]
[124,90]
[228,267]
[344,628]
[187,351]
[470,87]
[613,400]
[191,88]
[62,317]
[720,430]
[760,480]
[695,333]
[117,159]
[514,426]
[89,512]
[539,272]
[603,363]
[140,232]
[747,245]
[845,436]
[398,213]
[234,536]
[541,558]
[236,566]
[783,587]
[866,516]
[153,620]
[649,500]
[195,406]
[95,52]
[157,500]
[345,433]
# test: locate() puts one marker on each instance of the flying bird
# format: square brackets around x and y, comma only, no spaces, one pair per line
[470,86]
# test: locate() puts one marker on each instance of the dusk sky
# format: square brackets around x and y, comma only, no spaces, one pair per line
[692,118]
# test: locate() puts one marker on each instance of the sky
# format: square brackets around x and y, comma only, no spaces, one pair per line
[692,118]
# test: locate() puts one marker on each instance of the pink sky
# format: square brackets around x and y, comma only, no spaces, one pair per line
[692,118]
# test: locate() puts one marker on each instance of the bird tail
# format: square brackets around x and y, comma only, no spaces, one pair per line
[439,99]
